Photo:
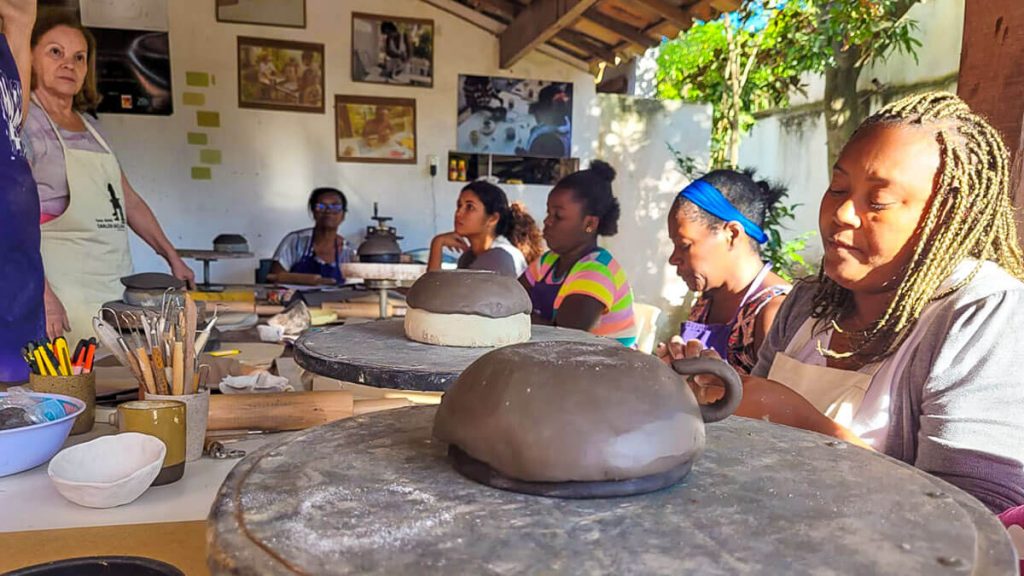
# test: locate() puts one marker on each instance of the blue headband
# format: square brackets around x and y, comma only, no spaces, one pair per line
[708,198]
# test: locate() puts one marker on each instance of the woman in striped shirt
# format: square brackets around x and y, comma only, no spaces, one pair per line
[577,284]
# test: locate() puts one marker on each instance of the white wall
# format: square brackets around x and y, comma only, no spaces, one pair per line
[271,159]
[635,133]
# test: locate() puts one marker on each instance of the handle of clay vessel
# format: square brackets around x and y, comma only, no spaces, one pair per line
[726,405]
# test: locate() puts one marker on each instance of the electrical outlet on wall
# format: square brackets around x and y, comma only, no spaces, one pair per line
[432,160]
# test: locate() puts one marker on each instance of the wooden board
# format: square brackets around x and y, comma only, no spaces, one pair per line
[181,544]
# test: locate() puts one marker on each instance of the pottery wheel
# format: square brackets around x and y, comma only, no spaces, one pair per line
[375,494]
[379,354]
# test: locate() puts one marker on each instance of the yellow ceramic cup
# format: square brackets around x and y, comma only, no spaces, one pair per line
[164,419]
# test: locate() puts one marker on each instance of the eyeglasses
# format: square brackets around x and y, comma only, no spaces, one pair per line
[332,208]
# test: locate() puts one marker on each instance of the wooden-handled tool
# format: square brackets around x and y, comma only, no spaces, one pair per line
[277,411]
[378,404]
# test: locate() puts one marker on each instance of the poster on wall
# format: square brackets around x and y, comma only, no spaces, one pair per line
[133,71]
[280,75]
[286,13]
[373,129]
[514,117]
[391,50]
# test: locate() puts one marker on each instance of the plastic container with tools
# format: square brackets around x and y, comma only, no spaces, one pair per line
[29,446]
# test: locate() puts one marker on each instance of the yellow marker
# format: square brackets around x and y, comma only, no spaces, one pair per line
[63,355]
[46,362]
[38,355]
[222,353]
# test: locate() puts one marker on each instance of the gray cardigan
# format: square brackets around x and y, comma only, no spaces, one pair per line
[957,411]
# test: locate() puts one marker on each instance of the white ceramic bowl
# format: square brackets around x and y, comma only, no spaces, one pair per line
[108,471]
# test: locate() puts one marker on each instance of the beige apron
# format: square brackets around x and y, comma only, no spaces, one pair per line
[85,249]
[858,400]
[835,393]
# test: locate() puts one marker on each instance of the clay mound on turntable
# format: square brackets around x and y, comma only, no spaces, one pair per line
[571,412]
[467,308]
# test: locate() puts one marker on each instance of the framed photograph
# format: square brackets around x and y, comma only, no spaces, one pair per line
[280,75]
[133,72]
[391,50]
[286,13]
[373,129]
[514,117]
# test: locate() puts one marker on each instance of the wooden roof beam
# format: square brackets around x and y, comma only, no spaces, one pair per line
[625,31]
[503,7]
[587,45]
[682,18]
[535,25]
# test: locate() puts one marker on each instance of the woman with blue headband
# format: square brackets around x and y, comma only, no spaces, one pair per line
[716,228]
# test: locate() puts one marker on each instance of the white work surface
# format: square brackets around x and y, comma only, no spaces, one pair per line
[29,501]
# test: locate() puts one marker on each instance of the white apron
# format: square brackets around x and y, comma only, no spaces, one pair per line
[85,249]
[858,400]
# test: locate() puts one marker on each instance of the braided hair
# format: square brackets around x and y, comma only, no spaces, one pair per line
[971,215]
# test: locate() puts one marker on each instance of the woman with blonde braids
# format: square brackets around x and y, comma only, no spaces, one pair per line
[907,341]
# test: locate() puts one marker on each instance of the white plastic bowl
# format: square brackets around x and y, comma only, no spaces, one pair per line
[108,471]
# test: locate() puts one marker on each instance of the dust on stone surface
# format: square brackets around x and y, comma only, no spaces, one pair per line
[333,522]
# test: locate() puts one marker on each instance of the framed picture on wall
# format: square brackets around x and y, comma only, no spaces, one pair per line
[280,75]
[392,50]
[373,129]
[514,117]
[286,13]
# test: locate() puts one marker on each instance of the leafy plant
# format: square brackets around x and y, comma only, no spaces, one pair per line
[751,60]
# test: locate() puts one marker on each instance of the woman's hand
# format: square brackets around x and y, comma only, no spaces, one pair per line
[181,271]
[56,316]
[706,387]
[452,241]
[439,243]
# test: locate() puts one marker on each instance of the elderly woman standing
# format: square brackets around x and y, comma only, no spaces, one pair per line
[86,202]
[908,342]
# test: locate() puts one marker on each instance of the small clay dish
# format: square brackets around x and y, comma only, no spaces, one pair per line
[108,471]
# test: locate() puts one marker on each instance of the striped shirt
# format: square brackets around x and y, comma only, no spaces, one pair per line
[600,277]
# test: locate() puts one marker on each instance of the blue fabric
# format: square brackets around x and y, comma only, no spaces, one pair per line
[709,199]
[21,265]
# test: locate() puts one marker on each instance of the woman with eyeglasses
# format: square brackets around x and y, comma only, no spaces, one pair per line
[320,249]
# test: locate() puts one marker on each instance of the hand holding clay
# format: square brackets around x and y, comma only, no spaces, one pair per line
[706,387]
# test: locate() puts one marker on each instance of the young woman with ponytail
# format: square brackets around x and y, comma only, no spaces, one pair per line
[484,224]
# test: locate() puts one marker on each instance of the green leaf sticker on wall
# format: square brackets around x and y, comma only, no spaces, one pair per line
[201,173]
[208,119]
[193,99]
[209,156]
[200,79]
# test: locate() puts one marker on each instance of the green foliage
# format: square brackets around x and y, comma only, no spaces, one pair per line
[751,60]
[786,256]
